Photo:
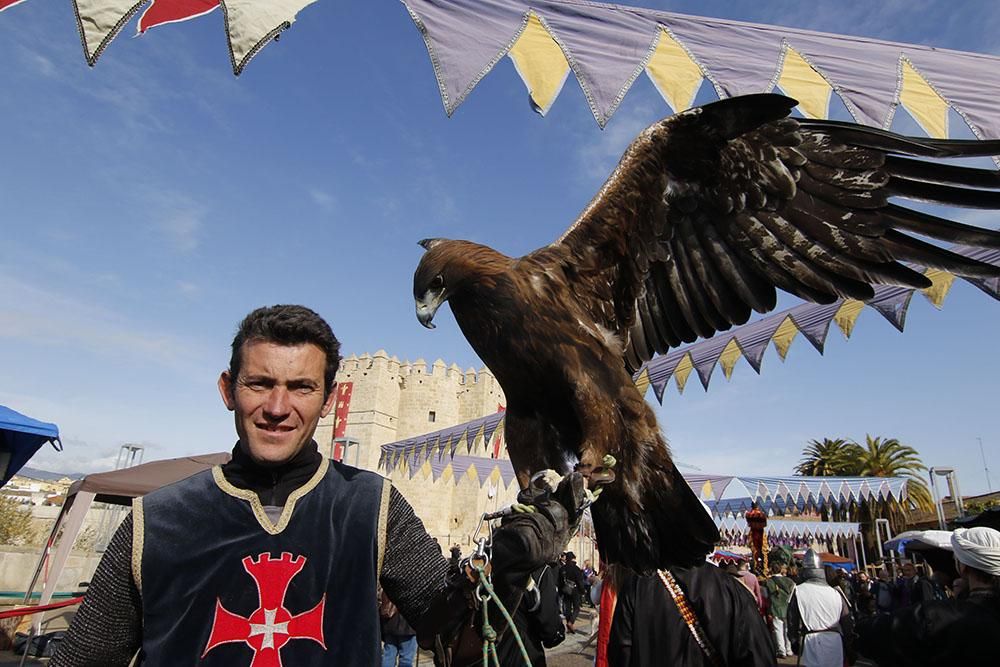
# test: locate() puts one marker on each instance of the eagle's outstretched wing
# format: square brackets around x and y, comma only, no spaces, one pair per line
[711,210]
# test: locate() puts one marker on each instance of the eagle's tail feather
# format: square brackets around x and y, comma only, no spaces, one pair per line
[669,527]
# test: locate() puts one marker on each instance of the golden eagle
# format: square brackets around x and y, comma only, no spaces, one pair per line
[707,213]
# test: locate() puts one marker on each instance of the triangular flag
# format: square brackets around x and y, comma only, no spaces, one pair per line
[754,351]
[783,337]
[540,63]
[681,372]
[847,315]
[100,21]
[252,24]
[673,72]
[941,282]
[705,367]
[799,79]
[927,107]
[642,382]
[173,11]
[730,355]
[894,309]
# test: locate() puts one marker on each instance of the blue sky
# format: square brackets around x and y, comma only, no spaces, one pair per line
[149,203]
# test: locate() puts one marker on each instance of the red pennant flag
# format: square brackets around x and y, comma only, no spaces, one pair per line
[170,11]
[4,4]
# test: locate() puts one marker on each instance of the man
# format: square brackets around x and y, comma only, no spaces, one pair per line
[571,585]
[276,557]
[940,633]
[537,621]
[883,591]
[818,617]
[588,572]
[780,588]
[650,628]
[399,640]
[749,579]
[914,587]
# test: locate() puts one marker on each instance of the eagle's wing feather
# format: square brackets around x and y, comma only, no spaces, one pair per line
[710,211]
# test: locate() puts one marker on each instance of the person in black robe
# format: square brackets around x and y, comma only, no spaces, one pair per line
[536,620]
[941,633]
[648,628]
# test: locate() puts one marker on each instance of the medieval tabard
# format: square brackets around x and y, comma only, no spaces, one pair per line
[221,584]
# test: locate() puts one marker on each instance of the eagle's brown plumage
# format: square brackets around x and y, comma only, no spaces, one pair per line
[707,214]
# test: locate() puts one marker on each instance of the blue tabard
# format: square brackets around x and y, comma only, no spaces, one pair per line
[222,585]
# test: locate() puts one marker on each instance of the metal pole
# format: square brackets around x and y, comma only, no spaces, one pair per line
[937,500]
[956,494]
[989,485]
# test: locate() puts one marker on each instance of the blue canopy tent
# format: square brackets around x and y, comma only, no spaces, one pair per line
[20,438]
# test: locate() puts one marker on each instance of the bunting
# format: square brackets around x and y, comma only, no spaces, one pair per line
[732,527]
[725,495]
[780,329]
[250,24]
[608,46]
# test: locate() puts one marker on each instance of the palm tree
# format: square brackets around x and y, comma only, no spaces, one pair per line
[826,458]
[888,457]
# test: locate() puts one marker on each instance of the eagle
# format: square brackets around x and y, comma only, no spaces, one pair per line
[708,213]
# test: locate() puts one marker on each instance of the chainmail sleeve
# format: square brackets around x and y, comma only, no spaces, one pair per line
[415,575]
[107,630]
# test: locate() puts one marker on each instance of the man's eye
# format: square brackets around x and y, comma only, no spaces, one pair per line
[305,391]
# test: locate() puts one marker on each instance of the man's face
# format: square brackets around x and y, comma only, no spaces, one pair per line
[909,571]
[277,398]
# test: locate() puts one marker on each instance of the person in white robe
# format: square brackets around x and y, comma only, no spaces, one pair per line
[818,617]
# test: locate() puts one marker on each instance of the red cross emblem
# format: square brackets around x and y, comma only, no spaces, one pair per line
[271,626]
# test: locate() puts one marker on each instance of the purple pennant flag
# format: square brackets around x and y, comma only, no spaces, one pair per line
[465,40]
[741,58]
[989,285]
[704,360]
[813,322]
[607,55]
[864,72]
[892,305]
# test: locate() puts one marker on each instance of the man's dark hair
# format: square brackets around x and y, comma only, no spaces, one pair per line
[288,325]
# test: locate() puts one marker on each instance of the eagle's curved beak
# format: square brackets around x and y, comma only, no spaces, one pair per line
[427,306]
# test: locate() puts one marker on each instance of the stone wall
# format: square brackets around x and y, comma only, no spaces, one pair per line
[393,400]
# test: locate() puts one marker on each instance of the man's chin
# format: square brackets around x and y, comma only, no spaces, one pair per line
[272,454]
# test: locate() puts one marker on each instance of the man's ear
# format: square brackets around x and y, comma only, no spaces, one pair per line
[226,388]
[330,401]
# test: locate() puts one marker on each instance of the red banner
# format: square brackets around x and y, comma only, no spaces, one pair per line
[342,406]
[4,4]
[171,11]
[497,439]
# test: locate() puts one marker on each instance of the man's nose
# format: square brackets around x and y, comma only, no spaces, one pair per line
[277,405]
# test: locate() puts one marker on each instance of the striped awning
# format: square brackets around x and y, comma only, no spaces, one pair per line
[731,527]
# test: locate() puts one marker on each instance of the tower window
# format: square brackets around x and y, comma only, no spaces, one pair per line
[431,416]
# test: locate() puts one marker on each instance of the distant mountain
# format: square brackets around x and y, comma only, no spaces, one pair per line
[46,476]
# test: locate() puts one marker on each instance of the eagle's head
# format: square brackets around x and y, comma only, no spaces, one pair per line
[446,269]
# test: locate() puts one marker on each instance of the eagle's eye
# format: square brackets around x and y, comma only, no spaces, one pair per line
[438,282]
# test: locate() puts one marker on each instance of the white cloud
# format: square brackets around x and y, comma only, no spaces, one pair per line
[43,316]
[323,199]
[182,229]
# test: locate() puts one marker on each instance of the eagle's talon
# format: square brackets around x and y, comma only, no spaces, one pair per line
[609,461]
[521,508]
